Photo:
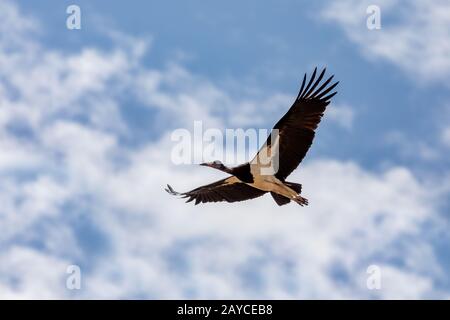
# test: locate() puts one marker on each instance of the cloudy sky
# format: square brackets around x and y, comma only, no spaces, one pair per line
[86,118]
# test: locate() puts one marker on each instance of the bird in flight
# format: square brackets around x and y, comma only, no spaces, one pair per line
[285,148]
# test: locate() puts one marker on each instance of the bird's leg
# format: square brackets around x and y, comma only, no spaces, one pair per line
[300,200]
[288,192]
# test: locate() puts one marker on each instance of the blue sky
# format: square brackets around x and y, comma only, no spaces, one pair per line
[269,47]
[86,117]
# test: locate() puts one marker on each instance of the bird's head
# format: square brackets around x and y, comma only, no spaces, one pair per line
[215,164]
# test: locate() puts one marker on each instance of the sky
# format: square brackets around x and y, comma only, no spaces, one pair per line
[86,118]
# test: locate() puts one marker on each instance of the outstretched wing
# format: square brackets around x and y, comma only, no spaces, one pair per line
[230,189]
[296,129]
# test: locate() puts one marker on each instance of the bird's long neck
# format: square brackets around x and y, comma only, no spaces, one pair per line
[226,169]
[243,173]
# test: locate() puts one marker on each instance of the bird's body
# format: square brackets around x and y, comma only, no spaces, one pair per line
[283,151]
[270,183]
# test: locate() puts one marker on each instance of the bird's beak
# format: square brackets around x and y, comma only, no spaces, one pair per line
[205,164]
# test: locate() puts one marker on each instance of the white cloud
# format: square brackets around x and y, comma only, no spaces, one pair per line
[414,34]
[343,115]
[446,136]
[29,274]
[79,183]
[401,283]
[408,147]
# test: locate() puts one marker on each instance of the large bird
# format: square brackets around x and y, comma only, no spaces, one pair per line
[285,148]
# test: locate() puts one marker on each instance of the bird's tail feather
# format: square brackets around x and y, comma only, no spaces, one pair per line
[297,187]
[279,199]
[169,190]
[282,200]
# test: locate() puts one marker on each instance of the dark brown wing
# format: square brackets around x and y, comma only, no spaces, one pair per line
[296,128]
[230,189]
